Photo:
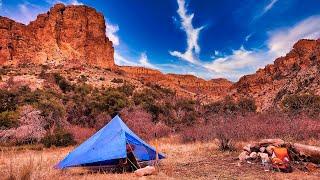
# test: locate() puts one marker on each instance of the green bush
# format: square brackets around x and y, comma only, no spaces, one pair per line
[111,101]
[145,96]
[58,138]
[8,101]
[247,105]
[231,107]
[306,103]
[162,90]
[53,110]
[63,84]
[8,119]
[126,88]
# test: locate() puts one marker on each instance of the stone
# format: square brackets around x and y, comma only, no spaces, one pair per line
[264,157]
[148,170]
[243,156]
[253,155]
[262,149]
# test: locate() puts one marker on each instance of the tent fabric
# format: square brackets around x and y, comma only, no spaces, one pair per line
[107,146]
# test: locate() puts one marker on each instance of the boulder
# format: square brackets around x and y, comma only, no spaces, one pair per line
[148,170]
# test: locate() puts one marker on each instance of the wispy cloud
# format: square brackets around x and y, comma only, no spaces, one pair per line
[266,9]
[192,33]
[280,42]
[269,6]
[248,37]
[0,4]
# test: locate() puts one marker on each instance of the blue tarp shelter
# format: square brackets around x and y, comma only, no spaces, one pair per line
[108,146]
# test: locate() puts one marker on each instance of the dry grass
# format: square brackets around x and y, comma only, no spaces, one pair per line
[184,161]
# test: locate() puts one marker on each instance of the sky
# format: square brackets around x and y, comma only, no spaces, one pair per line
[206,38]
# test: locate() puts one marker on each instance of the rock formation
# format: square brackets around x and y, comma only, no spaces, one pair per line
[184,85]
[65,34]
[296,73]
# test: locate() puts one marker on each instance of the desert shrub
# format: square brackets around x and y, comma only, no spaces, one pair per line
[185,104]
[63,84]
[147,95]
[306,103]
[231,107]
[161,89]
[80,134]
[8,119]
[59,138]
[126,88]
[83,89]
[53,110]
[253,127]
[117,80]
[140,121]
[111,101]
[247,105]
[8,101]
[225,143]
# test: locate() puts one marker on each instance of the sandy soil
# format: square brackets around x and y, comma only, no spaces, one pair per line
[184,161]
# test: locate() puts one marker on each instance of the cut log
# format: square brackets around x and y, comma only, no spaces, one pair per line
[312,153]
[274,142]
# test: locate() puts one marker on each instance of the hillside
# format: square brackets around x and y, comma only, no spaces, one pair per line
[296,73]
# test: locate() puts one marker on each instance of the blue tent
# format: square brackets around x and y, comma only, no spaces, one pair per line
[108,146]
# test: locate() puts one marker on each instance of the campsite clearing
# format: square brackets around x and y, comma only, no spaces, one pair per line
[184,161]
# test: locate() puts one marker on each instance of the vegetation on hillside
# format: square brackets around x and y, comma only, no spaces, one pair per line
[65,112]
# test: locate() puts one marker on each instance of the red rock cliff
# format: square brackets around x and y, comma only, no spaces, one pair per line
[65,34]
[296,73]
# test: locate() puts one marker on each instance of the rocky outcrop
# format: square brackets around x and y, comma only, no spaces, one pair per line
[296,73]
[65,34]
[185,85]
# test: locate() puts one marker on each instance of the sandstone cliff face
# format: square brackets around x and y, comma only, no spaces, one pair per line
[65,34]
[184,85]
[296,73]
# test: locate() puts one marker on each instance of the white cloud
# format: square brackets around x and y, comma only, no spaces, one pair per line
[269,6]
[280,42]
[68,2]
[26,12]
[248,37]
[144,61]
[111,32]
[192,33]
[75,2]
[122,61]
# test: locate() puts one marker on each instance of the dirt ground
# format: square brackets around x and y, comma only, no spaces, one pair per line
[184,161]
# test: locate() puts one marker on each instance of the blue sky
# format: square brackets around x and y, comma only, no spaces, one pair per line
[206,38]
